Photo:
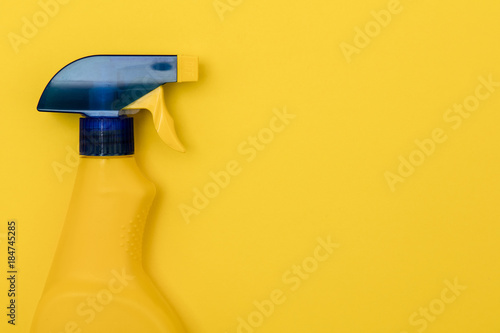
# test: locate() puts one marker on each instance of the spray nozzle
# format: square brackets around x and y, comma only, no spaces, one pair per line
[112,86]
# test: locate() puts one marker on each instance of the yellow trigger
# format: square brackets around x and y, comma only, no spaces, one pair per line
[164,123]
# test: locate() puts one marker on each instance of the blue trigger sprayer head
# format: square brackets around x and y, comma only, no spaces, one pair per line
[107,88]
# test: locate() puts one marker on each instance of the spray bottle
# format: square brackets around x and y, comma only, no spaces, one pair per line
[96,283]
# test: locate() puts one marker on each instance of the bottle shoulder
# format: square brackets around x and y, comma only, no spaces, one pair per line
[113,174]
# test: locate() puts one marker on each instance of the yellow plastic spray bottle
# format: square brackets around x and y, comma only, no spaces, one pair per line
[97,283]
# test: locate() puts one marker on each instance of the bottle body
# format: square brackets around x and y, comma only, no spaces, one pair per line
[97,282]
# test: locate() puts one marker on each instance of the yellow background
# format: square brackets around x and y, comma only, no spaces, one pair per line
[323,176]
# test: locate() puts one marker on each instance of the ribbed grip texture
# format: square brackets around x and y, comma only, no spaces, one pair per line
[106,136]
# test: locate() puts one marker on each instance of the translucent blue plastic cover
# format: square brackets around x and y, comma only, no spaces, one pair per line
[101,85]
